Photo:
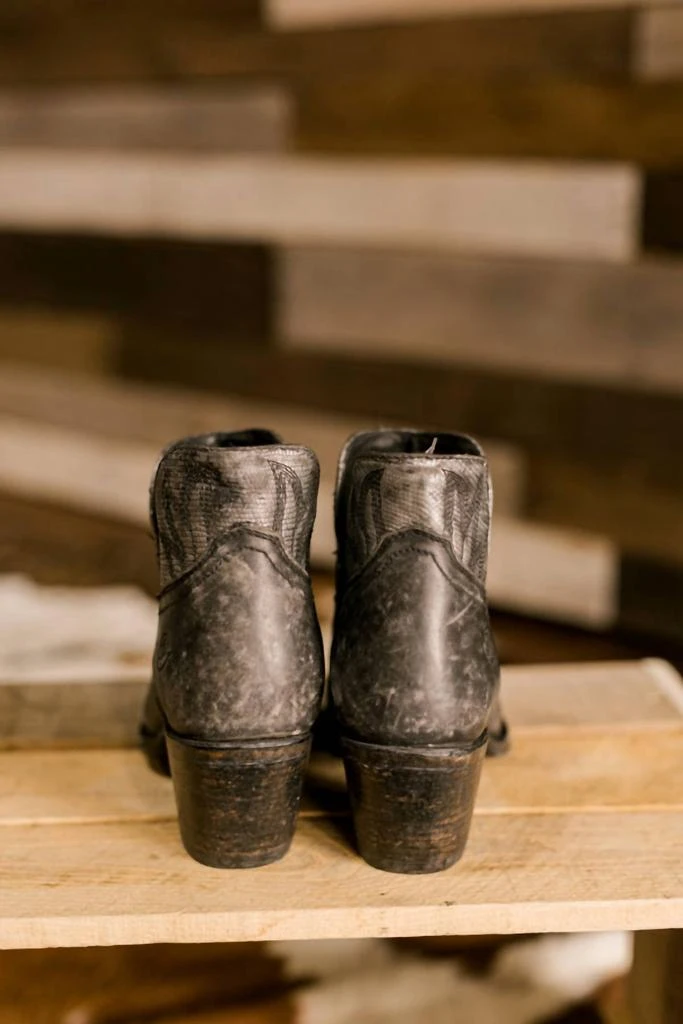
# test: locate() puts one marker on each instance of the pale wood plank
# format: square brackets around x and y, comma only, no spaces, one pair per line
[583,321]
[248,119]
[553,573]
[286,14]
[556,774]
[572,751]
[659,43]
[131,883]
[543,209]
[593,696]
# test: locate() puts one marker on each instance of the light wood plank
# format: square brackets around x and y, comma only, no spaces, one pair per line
[552,210]
[581,321]
[571,751]
[659,42]
[286,14]
[543,774]
[248,119]
[129,883]
[646,694]
[553,573]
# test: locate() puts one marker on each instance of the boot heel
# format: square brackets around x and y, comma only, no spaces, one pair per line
[237,804]
[412,806]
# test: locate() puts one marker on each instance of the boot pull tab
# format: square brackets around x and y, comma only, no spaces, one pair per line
[432,447]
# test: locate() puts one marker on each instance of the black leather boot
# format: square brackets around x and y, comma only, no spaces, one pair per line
[238,666]
[414,673]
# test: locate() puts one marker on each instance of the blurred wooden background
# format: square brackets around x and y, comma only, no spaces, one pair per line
[459,214]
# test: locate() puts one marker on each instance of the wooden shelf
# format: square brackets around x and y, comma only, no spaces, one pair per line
[579,828]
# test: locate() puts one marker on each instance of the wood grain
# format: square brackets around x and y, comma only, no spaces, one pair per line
[564,832]
[132,883]
[554,773]
[640,518]
[548,209]
[433,111]
[248,119]
[585,321]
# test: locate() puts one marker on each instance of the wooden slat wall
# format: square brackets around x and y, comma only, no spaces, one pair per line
[467,216]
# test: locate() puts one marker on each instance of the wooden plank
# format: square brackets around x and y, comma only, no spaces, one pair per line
[659,43]
[656,983]
[248,119]
[286,14]
[432,111]
[663,211]
[130,883]
[48,42]
[587,321]
[643,695]
[555,574]
[205,286]
[57,545]
[553,209]
[74,340]
[562,42]
[559,774]
[561,733]
[98,714]
[641,518]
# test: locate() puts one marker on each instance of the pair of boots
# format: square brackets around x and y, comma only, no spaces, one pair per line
[239,669]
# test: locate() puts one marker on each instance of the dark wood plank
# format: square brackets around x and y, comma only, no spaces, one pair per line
[605,426]
[616,501]
[56,545]
[651,598]
[397,111]
[88,42]
[663,211]
[202,285]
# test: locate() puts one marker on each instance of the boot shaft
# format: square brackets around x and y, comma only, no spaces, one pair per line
[206,486]
[393,481]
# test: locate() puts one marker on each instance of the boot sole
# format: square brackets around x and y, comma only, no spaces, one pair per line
[237,802]
[412,806]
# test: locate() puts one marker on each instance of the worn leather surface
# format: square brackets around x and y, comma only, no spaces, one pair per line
[238,653]
[413,661]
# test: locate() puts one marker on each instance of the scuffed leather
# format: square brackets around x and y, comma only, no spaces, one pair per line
[413,660]
[238,653]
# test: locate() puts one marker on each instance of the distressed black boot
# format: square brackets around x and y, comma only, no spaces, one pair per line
[238,666]
[414,673]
